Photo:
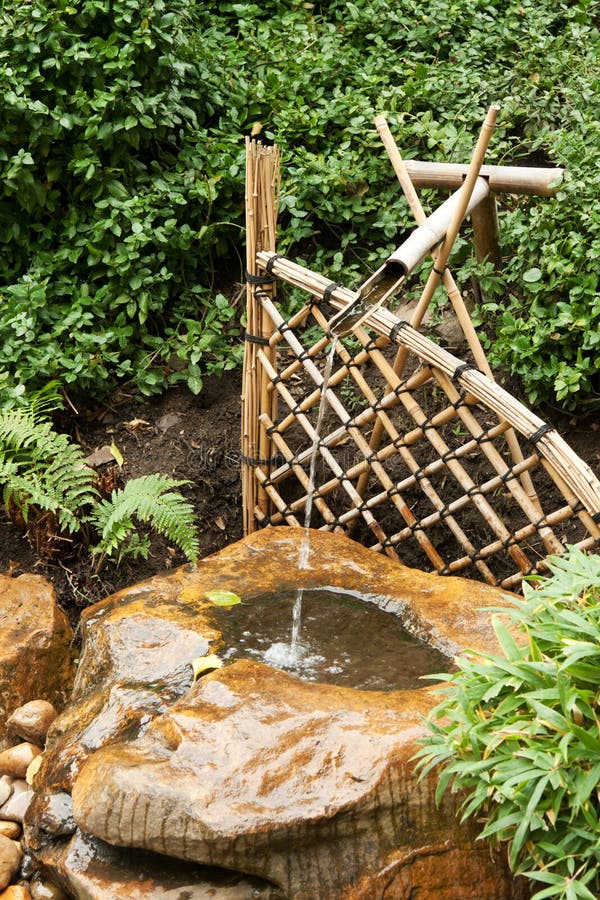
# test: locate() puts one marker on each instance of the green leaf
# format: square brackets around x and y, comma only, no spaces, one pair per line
[532,275]
[223,598]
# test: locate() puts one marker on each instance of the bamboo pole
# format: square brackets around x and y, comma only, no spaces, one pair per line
[455,298]
[438,271]
[261,201]
[502,179]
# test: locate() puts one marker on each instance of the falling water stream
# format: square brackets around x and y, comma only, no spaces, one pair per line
[293,652]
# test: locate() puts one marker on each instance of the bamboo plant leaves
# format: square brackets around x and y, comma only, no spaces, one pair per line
[520,732]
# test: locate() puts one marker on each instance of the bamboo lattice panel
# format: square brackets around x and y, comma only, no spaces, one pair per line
[438,485]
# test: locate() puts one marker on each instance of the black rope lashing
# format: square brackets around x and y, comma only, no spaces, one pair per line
[464,367]
[259,461]
[256,339]
[331,287]
[396,329]
[258,279]
[440,272]
[271,263]
[533,439]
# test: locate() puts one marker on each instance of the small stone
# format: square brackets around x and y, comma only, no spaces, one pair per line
[5,791]
[16,806]
[10,860]
[10,830]
[16,892]
[45,890]
[16,760]
[32,720]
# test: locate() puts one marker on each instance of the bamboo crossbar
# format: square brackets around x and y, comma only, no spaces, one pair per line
[502,179]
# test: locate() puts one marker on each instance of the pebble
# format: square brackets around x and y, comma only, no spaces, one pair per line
[32,720]
[16,806]
[5,791]
[45,890]
[16,760]
[16,892]
[10,830]
[10,860]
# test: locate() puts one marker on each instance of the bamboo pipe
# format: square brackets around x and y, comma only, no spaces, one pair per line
[502,179]
[484,219]
[389,278]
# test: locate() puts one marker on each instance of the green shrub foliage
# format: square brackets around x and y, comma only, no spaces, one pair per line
[121,155]
[104,197]
[519,732]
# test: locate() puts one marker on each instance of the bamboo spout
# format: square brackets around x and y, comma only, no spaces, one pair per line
[390,277]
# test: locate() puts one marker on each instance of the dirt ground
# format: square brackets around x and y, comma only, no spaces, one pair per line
[187,437]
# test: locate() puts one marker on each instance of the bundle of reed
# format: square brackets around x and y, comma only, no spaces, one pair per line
[262,199]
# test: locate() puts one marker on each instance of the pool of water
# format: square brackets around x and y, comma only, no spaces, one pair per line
[344,640]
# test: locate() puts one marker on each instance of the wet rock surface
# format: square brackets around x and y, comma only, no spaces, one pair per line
[35,647]
[94,870]
[307,786]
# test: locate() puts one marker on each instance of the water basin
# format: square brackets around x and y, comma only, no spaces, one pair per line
[345,640]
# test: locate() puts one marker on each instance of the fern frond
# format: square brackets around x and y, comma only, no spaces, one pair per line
[41,468]
[150,498]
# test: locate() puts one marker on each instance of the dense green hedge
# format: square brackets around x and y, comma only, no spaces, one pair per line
[314,75]
[105,199]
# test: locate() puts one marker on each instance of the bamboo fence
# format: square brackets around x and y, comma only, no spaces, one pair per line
[418,456]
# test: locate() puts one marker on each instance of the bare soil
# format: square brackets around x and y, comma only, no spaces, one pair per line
[196,438]
[188,437]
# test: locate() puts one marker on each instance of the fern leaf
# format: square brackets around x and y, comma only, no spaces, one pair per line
[41,468]
[150,498]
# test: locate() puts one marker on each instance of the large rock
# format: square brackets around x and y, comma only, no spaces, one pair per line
[36,660]
[93,870]
[307,785]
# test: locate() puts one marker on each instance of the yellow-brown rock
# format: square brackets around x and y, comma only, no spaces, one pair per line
[92,870]
[10,860]
[35,646]
[307,785]
[31,721]
[10,830]
[346,819]
[16,760]
[16,892]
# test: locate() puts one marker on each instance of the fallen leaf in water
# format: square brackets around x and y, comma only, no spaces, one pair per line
[205,663]
[223,598]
